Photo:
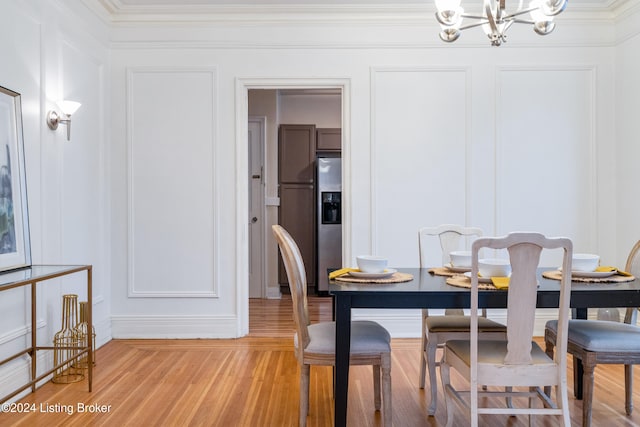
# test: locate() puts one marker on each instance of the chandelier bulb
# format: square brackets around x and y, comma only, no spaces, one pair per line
[544,27]
[449,35]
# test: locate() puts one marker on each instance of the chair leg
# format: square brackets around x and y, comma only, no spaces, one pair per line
[386,389]
[432,347]
[578,392]
[548,349]
[562,400]
[423,349]
[305,371]
[376,386]
[628,389]
[587,392]
[448,402]
[532,400]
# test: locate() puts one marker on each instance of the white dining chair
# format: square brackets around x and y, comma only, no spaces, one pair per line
[603,342]
[517,362]
[315,343]
[436,330]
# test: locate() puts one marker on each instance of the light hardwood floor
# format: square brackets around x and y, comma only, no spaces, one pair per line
[253,381]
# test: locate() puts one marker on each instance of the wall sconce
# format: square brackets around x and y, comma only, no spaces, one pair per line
[68,108]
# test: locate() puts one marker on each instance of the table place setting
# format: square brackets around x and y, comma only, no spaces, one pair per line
[460,264]
[493,273]
[585,268]
[372,270]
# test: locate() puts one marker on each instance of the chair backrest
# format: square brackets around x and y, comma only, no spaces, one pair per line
[450,238]
[297,276]
[524,253]
[633,267]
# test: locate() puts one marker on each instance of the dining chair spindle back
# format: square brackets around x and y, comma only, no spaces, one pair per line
[517,363]
[436,330]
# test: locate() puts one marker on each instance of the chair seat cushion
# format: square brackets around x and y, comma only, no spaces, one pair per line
[367,337]
[601,335]
[456,323]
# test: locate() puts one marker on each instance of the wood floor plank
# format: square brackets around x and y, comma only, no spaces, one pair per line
[253,381]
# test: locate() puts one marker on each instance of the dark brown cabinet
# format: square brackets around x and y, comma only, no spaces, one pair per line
[296,176]
[329,139]
[296,154]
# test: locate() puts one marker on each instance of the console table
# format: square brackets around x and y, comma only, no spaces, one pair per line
[31,276]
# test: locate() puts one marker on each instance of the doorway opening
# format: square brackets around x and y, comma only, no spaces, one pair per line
[268,100]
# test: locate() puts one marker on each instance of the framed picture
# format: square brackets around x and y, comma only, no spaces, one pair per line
[15,248]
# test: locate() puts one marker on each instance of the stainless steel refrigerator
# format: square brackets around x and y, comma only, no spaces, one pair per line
[329,218]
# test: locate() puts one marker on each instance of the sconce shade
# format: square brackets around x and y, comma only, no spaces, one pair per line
[68,108]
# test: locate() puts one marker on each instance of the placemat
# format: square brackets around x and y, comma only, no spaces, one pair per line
[463,281]
[616,278]
[394,278]
[442,271]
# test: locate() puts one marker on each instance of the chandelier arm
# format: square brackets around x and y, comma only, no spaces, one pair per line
[500,10]
[465,27]
[507,25]
[490,19]
[466,15]
[520,12]
[523,21]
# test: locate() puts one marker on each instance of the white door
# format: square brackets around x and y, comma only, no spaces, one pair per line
[256,207]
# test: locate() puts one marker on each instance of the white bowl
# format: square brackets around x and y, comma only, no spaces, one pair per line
[371,264]
[494,267]
[584,262]
[460,258]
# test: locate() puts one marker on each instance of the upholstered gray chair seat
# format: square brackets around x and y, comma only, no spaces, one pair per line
[600,335]
[456,323]
[366,337]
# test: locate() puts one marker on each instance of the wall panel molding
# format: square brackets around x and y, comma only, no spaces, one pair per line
[172,185]
[553,110]
[438,133]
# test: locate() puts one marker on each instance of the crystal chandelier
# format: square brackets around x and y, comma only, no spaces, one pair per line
[494,18]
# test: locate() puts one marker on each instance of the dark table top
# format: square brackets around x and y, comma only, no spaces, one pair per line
[427,290]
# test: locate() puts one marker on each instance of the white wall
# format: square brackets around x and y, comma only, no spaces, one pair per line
[627,151]
[506,139]
[52,50]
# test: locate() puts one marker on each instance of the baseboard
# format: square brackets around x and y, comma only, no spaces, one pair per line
[179,327]
[17,373]
[273,292]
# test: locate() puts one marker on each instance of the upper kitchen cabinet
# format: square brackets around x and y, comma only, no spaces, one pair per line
[296,152]
[329,139]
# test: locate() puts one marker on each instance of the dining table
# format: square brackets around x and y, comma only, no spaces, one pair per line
[427,290]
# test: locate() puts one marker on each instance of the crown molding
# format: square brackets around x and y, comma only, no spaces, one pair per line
[179,12]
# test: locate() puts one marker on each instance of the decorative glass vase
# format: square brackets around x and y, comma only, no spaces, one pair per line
[66,343]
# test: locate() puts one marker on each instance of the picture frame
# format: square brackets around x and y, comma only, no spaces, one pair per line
[15,245]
